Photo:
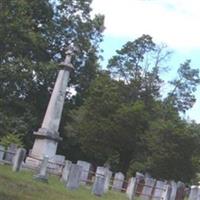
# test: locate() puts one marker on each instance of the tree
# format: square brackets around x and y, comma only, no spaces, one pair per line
[184,86]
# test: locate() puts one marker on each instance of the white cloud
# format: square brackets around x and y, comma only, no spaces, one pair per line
[175,22]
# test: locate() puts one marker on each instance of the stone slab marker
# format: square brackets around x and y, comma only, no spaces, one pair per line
[173,190]
[56,164]
[85,170]
[130,191]
[166,193]
[104,172]
[18,159]
[148,188]
[74,177]
[2,152]
[180,194]
[98,186]
[10,152]
[66,170]
[193,192]
[159,189]
[42,176]
[108,176]
[118,181]
[47,137]
[139,183]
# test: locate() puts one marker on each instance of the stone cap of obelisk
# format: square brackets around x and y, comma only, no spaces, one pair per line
[66,64]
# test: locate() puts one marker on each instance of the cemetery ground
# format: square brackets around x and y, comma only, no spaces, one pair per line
[18,186]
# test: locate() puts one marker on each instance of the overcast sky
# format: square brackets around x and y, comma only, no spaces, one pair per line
[174,22]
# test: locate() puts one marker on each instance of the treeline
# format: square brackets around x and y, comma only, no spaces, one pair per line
[119,116]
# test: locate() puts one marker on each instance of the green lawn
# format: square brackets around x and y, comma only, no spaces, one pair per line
[21,186]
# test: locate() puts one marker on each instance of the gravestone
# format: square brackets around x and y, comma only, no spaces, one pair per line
[104,172]
[166,193]
[107,180]
[66,170]
[47,137]
[98,186]
[2,152]
[42,176]
[85,170]
[118,181]
[18,159]
[10,153]
[173,190]
[139,183]
[56,164]
[130,191]
[193,192]
[159,189]
[74,177]
[180,194]
[148,188]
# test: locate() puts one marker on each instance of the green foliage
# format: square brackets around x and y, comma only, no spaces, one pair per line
[11,138]
[182,96]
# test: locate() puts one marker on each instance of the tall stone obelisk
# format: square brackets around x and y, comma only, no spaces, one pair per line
[47,137]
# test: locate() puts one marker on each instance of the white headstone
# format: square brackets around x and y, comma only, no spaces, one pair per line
[148,188]
[56,164]
[166,193]
[66,170]
[42,176]
[85,170]
[173,190]
[118,181]
[159,189]
[193,192]
[10,152]
[2,152]
[98,186]
[74,177]
[130,191]
[18,159]
[107,181]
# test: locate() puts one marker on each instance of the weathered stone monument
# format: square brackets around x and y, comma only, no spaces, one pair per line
[118,181]
[10,153]
[193,192]
[66,170]
[148,188]
[74,177]
[98,186]
[85,171]
[131,189]
[18,159]
[47,137]
[42,175]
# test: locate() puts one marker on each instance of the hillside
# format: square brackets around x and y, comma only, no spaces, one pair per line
[21,186]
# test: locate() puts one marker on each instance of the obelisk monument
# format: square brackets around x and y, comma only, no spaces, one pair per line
[47,137]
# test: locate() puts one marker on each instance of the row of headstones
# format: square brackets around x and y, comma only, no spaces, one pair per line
[149,188]
[75,174]
[80,173]
[12,155]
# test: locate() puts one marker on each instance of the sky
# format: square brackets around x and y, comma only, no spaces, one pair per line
[173,22]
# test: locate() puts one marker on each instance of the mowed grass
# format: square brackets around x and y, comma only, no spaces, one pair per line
[21,186]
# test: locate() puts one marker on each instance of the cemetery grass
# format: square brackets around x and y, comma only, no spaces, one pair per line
[21,186]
